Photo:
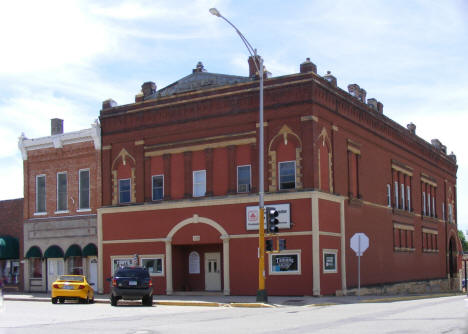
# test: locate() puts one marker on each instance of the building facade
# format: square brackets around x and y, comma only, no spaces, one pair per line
[11,252]
[62,191]
[180,188]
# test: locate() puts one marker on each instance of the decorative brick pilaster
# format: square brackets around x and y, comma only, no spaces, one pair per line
[188,175]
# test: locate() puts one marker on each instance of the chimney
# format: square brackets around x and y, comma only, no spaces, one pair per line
[372,103]
[308,66]
[330,78]
[380,107]
[148,89]
[253,73]
[199,68]
[109,103]
[411,128]
[56,126]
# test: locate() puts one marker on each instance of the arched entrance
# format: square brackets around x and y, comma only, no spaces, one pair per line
[197,256]
[452,258]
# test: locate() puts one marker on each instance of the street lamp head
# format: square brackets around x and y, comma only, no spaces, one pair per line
[215,12]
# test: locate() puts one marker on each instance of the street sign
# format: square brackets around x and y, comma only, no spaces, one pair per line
[359,243]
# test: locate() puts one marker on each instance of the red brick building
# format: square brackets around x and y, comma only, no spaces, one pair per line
[62,191]
[180,176]
[11,231]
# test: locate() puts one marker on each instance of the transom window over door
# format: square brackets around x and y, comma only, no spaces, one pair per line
[124,191]
[287,175]
[199,183]
[62,192]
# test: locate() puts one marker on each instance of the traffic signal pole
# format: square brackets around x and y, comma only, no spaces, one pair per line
[262,295]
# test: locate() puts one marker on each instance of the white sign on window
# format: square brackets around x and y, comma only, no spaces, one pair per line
[284,216]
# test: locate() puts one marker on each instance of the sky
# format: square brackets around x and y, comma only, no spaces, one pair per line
[61,59]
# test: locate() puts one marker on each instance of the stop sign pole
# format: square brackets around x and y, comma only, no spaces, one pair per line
[359,243]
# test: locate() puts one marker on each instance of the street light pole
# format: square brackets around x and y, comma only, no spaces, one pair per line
[262,295]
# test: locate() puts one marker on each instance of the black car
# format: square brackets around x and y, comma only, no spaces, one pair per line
[132,283]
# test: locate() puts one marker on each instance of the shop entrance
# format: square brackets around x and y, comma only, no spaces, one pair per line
[212,271]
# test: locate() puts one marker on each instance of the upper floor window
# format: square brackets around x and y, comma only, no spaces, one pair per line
[124,191]
[287,175]
[40,193]
[243,179]
[62,185]
[199,183]
[428,196]
[158,187]
[84,189]
[402,182]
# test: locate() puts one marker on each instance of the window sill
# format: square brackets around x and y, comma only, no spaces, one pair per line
[83,210]
[403,249]
[404,213]
[430,251]
[355,201]
[40,213]
[61,212]
[428,219]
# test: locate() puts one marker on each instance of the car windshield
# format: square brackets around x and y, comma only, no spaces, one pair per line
[132,272]
[71,278]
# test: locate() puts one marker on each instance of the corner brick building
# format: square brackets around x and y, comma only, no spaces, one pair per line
[62,191]
[180,194]
[11,251]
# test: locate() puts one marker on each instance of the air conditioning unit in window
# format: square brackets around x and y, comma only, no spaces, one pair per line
[243,188]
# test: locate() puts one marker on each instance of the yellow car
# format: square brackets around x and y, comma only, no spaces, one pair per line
[73,287]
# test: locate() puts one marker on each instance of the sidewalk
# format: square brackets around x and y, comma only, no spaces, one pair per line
[219,300]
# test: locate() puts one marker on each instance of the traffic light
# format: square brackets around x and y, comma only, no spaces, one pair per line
[272,221]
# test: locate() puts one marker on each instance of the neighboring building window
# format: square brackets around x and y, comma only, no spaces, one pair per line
[84,189]
[403,203]
[75,265]
[397,203]
[408,197]
[285,263]
[330,261]
[443,211]
[429,240]
[424,203]
[118,262]
[158,187]
[62,199]
[154,264]
[124,191]
[40,193]
[199,183]
[389,195]
[35,267]
[243,179]
[287,175]
[403,237]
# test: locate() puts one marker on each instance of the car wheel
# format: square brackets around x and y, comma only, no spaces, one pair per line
[113,300]
[62,300]
[91,301]
[147,300]
[54,300]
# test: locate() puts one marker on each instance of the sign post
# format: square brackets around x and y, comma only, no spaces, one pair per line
[359,243]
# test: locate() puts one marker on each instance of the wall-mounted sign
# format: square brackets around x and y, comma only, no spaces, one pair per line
[284,216]
[284,263]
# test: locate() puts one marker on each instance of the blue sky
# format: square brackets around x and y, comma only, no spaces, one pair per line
[63,58]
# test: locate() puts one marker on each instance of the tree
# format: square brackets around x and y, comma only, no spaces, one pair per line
[463,241]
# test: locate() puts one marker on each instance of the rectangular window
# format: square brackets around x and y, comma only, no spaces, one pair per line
[84,189]
[243,179]
[450,217]
[35,267]
[124,191]
[389,196]
[429,204]
[62,201]
[443,211]
[285,263]
[287,175]
[199,183]
[408,197]
[330,261]
[402,196]
[154,263]
[433,207]
[424,203]
[396,195]
[158,187]
[40,193]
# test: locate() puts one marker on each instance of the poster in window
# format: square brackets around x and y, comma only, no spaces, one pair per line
[329,262]
[285,263]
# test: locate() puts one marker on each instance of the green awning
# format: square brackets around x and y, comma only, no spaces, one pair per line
[53,252]
[90,250]
[34,251]
[73,250]
[9,247]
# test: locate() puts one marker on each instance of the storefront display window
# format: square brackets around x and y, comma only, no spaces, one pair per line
[154,263]
[121,262]
[35,267]
[285,263]
[329,261]
[75,265]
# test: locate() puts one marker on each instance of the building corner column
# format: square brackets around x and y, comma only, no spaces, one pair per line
[315,245]
[226,264]
[169,287]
